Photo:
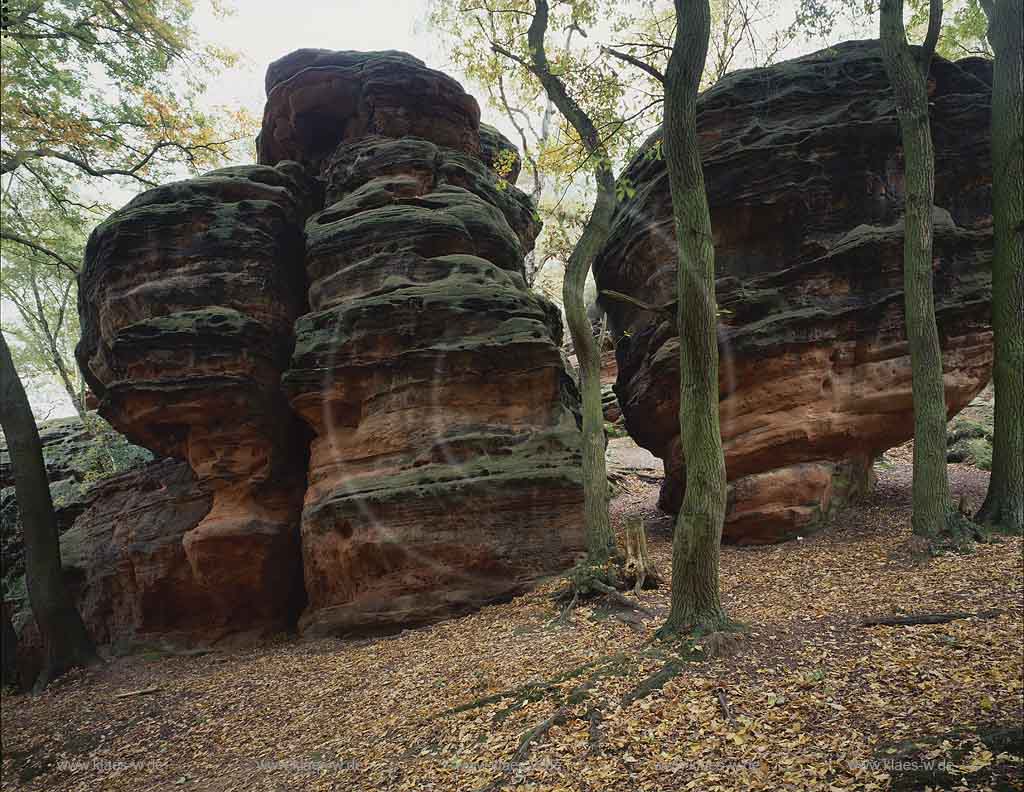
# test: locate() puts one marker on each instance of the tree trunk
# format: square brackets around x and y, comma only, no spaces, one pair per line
[696,605]
[65,641]
[1004,504]
[599,537]
[9,651]
[908,74]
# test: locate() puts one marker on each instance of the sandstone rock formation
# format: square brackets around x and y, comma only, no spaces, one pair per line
[187,299]
[805,185]
[76,458]
[444,470]
[126,559]
[339,336]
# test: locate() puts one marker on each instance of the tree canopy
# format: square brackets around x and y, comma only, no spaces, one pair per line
[99,98]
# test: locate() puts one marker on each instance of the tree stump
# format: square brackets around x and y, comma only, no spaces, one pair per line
[639,569]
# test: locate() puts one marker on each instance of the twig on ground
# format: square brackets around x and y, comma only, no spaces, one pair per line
[723,702]
[140,692]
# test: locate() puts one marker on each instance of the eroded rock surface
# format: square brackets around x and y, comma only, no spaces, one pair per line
[339,336]
[187,300]
[125,558]
[805,184]
[317,98]
[77,458]
[444,472]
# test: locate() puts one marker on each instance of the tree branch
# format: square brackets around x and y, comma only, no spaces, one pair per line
[642,65]
[20,240]
[932,36]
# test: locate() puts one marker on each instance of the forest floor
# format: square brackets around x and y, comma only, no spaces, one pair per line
[507,698]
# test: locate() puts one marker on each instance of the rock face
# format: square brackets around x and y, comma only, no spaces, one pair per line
[126,560]
[444,472]
[76,459]
[317,98]
[805,185]
[187,300]
[339,337]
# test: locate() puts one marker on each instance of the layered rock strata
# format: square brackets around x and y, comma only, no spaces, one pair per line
[804,175]
[444,471]
[187,300]
[340,337]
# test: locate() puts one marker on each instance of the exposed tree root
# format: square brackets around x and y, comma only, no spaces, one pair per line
[538,732]
[567,705]
[718,634]
[535,691]
[926,618]
[959,534]
[587,582]
[722,643]
[655,681]
[621,599]
[917,767]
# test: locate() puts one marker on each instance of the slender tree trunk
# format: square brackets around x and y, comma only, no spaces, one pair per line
[66,643]
[600,540]
[599,537]
[696,605]
[1004,504]
[69,387]
[908,74]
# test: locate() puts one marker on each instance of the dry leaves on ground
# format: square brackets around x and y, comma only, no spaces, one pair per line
[810,702]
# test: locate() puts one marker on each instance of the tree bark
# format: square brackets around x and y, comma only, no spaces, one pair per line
[1004,504]
[599,537]
[908,74]
[696,605]
[66,643]
[9,651]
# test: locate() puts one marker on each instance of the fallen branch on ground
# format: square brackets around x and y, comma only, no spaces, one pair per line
[140,692]
[925,618]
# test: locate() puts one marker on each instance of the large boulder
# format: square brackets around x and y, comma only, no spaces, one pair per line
[339,338]
[316,98]
[804,175]
[187,300]
[445,468]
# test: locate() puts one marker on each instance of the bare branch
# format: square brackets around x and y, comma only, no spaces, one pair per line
[20,240]
[642,65]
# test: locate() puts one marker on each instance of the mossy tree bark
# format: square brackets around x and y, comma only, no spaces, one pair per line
[1004,504]
[66,643]
[696,605]
[599,537]
[933,513]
